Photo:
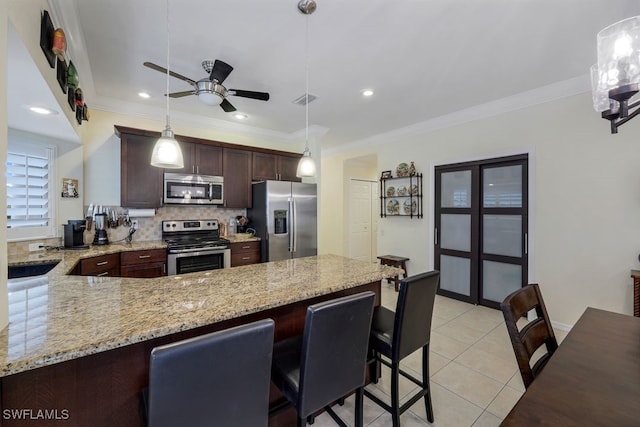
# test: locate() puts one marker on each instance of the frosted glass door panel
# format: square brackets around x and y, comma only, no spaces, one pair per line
[456,232]
[502,187]
[455,189]
[502,235]
[500,279]
[455,274]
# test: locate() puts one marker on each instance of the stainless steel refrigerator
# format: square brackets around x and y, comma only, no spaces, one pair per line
[284,215]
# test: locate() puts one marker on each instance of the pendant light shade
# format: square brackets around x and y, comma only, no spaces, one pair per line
[167,153]
[306,165]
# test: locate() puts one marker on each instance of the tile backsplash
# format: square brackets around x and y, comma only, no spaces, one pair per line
[149,228]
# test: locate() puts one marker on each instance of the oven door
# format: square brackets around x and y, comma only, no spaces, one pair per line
[201,260]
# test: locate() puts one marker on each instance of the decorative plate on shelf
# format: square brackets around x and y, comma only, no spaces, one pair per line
[393,207]
[414,190]
[402,191]
[391,191]
[410,206]
[402,170]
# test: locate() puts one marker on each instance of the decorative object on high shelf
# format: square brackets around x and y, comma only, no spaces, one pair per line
[412,169]
[72,76]
[306,166]
[404,198]
[616,76]
[166,152]
[59,46]
[385,174]
[46,38]
[61,74]
[402,170]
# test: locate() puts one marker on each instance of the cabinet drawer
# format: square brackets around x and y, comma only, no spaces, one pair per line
[245,258]
[100,264]
[151,270]
[143,257]
[241,247]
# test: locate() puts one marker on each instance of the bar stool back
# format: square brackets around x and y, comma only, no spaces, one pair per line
[221,379]
[328,361]
[395,335]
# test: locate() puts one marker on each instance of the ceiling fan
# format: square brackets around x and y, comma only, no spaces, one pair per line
[210,89]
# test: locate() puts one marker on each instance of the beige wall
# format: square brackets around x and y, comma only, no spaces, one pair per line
[585,217]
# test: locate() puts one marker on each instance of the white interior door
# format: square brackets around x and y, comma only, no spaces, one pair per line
[360,220]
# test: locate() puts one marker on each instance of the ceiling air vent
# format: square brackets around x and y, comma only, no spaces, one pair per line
[302,99]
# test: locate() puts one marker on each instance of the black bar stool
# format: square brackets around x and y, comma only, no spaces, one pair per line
[328,361]
[396,335]
[221,379]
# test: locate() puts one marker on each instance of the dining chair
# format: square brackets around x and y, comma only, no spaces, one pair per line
[531,336]
[396,335]
[221,379]
[327,362]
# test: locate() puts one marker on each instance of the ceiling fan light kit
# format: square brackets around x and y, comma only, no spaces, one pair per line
[166,151]
[615,79]
[306,165]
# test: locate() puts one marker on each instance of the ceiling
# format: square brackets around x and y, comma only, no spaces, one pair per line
[423,58]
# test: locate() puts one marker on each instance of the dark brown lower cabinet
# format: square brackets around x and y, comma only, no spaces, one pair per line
[144,264]
[245,253]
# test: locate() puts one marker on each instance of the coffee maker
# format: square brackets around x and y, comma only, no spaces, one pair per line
[100,238]
[74,234]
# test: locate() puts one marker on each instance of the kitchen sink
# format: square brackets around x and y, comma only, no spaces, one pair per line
[26,270]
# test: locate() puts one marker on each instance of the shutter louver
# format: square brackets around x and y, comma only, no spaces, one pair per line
[27,190]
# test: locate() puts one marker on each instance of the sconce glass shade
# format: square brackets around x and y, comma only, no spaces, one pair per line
[306,165]
[167,153]
[600,91]
[619,55]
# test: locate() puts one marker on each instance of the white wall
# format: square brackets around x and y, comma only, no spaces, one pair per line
[4,29]
[587,198]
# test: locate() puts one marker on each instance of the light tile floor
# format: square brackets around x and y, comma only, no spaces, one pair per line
[474,376]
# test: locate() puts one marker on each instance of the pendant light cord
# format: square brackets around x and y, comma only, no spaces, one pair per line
[168,48]
[306,137]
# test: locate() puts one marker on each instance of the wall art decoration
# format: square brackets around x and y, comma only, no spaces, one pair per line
[59,47]
[71,98]
[70,187]
[61,73]
[46,38]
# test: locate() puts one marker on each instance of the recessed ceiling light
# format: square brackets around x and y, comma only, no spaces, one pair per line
[42,110]
[240,116]
[367,92]
[144,95]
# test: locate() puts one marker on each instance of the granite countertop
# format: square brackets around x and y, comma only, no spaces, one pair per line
[56,317]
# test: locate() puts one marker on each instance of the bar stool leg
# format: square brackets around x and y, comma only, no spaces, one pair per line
[395,398]
[425,382]
[358,409]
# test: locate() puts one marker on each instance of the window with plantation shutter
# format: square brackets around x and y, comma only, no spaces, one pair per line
[30,189]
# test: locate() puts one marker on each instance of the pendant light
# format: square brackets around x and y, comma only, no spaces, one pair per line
[306,165]
[167,153]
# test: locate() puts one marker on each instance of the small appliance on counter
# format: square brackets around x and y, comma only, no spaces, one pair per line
[100,236]
[74,234]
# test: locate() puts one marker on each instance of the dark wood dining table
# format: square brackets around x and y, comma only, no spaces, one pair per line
[593,379]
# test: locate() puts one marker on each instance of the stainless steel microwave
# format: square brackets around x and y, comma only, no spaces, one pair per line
[193,189]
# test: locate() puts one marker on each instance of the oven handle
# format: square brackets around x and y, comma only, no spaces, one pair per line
[207,250]
[200,253]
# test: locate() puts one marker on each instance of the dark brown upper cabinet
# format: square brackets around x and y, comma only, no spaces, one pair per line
[270,166]
[237,178]
[200,157]
[140,183]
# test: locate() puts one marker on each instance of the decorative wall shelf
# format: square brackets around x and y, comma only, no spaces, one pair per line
[401,196]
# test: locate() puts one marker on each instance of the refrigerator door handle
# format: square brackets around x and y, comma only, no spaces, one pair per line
[291,226]
[295,225]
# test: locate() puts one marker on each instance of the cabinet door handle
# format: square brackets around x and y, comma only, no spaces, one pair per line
[104,273]
[436,237]
[246,258]
[198,169]
[144,256]
[193,169]
[102,263]
[246,247]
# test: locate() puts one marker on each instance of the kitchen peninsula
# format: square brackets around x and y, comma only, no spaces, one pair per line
[86,349]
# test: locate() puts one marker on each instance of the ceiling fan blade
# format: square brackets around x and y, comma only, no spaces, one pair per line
[181,94]
[262,96]
[171,73]
[226,106]
[220,71]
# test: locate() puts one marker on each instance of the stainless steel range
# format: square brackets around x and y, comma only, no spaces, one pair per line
[195,245]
